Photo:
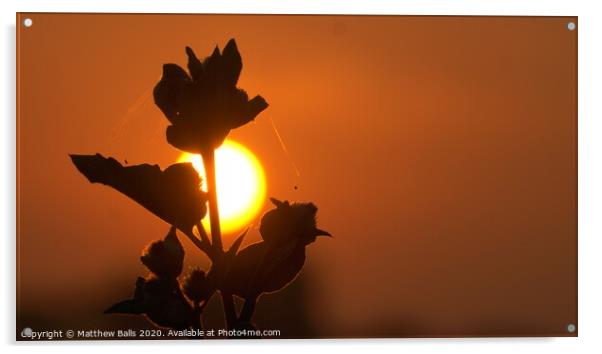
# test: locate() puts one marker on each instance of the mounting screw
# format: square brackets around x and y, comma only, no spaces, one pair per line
[27,22]
[571,26]
[571,328]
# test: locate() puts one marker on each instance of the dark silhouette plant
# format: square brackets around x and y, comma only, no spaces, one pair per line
[203,105]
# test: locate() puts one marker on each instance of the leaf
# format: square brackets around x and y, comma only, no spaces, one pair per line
[270,265]
[161,301]
[174,194]
[165,257]
[236,244]
[132,307]
[262,268]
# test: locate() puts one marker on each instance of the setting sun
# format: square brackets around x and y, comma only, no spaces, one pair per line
[241,186]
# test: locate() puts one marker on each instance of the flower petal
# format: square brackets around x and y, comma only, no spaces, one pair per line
[170,89]
[212,69]
[255,106]
[247,111]
[231,64]
[204,109]
[195,67]
[195,138]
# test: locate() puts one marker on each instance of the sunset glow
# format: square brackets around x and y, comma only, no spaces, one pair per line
[241,186]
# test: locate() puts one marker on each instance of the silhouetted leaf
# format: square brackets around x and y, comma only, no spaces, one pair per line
[161,300]
[204,106]
[270,265]
[130,307]
[261,268]
[174,195]
[165,257]
[236,244]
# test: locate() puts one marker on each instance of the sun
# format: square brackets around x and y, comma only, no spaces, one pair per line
[241,186]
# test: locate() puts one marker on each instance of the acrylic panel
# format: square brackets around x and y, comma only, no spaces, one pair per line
[295,176]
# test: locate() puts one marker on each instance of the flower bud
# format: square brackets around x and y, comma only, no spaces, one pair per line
[164,258]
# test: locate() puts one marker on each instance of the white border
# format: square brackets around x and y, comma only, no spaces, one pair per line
[590,171]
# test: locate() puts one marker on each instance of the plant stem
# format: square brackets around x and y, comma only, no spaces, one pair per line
[201,229]
[229,309]
[197,311]
[246,314]
[216,234]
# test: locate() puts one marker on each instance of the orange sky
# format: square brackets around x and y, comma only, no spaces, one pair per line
[441,152]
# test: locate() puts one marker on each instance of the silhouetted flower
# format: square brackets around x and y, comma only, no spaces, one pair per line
[197,287]
[161,300]
[270,265]
[174,195]
[165,257]
[204,106]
